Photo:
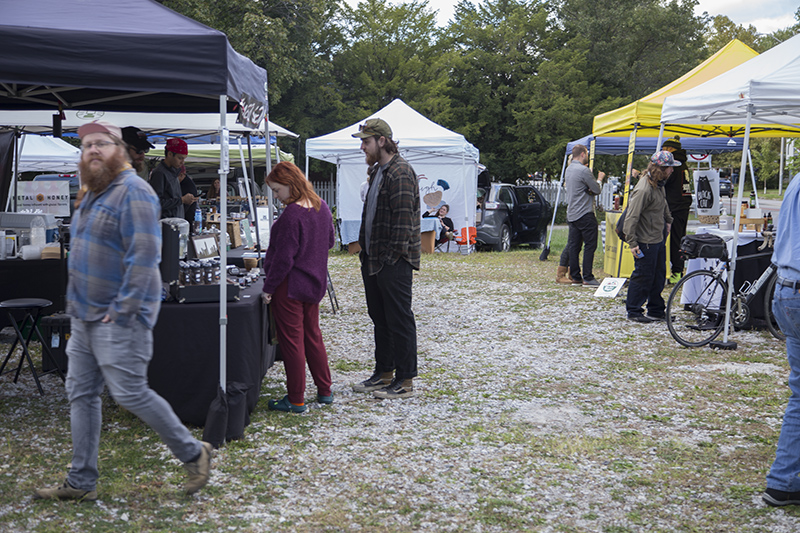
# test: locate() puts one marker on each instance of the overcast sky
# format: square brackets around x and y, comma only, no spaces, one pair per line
[766,15]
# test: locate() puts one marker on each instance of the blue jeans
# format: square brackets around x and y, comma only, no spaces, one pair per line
[116,356]
[785,470]
[647,281]
[389,305]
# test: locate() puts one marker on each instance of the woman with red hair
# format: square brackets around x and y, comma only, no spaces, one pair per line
[296,268]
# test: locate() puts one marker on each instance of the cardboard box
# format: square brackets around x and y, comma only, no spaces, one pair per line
[234,233]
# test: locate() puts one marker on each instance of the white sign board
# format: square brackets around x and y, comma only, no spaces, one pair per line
[610,287]
[706,186]
[44,196]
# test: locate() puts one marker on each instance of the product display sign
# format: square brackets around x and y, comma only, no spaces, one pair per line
[706,186]
[44,197]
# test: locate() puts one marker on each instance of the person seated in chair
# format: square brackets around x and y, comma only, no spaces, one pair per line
[448,228]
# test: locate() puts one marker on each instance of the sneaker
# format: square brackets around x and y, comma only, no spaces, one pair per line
[591,283]
[65,492]
[779,498]
[398,388]
[286,406]
[327,400]
[576,281]
[200,470]
[640,319]
[376,381]
[675,278]
[657,318]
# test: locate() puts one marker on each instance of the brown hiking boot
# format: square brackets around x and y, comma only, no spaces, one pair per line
[65,492]
[199,471]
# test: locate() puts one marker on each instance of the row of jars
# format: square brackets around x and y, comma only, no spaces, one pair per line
[202,272]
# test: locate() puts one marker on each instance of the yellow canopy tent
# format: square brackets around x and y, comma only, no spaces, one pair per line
[643,118]
[644,115]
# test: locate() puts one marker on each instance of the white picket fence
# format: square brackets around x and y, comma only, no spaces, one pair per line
[605,200]
[326,191]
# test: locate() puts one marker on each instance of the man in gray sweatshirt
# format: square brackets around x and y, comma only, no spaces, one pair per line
[581,190]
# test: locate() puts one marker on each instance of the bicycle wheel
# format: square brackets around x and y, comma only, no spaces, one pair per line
[696,309]
[772,324]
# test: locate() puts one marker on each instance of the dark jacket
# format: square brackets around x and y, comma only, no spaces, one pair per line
[164,181]
[678,187]
[395,230]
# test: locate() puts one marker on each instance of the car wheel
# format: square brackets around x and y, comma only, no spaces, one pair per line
[504,244]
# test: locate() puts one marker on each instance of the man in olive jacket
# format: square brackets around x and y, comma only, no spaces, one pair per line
[390,252]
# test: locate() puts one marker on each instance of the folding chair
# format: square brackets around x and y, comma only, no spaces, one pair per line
[332,294]
[465,239]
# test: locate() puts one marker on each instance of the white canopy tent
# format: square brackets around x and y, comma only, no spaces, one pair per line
[47,154]
[445,163]
[762,93]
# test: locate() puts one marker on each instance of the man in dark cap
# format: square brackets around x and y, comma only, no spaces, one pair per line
[138,145]
[165,182]
[679,199]
[390,252]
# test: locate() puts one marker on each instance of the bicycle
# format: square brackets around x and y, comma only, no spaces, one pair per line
[696,306]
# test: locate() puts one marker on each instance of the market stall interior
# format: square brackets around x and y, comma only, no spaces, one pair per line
[60,46]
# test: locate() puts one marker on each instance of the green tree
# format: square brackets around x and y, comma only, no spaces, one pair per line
[722,30]
[493,48]
[635,46]
[390,51]
[280,35]
[554,107]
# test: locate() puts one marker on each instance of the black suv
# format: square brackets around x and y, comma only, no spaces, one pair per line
[511,214]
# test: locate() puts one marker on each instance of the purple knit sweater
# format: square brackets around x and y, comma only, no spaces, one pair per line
[298,249]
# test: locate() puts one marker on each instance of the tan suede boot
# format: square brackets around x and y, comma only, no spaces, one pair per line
[560,273]
[564,279]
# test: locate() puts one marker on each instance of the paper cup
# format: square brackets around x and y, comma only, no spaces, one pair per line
[250,263]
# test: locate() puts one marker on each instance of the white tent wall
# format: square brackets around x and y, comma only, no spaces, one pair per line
[434,152]
[462,180]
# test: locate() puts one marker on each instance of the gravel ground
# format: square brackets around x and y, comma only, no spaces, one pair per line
[537,408]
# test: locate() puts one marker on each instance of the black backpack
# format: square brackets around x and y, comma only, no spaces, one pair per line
[620,223]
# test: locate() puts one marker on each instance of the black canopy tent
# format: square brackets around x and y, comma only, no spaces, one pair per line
[136,56]
[122,56]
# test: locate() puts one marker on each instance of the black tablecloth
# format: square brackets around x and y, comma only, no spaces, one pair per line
[185,365]
[750,270]
[34,278]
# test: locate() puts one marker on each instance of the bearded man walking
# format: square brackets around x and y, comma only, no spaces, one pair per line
[113,298]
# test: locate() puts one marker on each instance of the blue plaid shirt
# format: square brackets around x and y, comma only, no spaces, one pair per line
[115,251]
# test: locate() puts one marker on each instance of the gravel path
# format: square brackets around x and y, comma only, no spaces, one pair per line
[538,408]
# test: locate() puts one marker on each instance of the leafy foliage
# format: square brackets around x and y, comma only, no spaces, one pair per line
[518,78]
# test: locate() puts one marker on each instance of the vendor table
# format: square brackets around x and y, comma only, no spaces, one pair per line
[185,365]
[34,278]
[429,228]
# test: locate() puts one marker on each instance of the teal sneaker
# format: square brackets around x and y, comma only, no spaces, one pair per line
[326,400]
[285,405]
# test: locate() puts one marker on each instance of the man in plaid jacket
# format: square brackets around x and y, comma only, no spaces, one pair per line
[390,252]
